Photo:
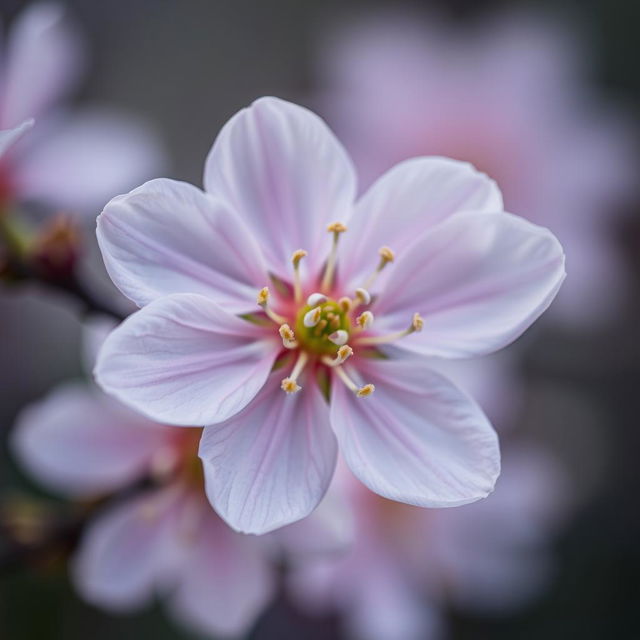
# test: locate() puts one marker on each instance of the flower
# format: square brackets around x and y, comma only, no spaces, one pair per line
[426,260]
[165,540]
[71,160]
[406,564]
[509,95]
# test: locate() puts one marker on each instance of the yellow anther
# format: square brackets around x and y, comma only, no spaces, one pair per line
[344,352]
[365,391]
[417,322]
[386,255]
[297,256]
[263,296]
[339,337]
[311,318]
[288,337]
[290,386]
[365,320]
[337,227]
[345,304]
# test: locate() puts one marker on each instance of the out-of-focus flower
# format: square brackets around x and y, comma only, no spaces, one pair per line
[74,160]
[507,94]
[279,190]
[164,541]
[407,564]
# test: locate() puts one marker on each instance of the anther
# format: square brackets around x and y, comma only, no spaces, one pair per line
[364,320]
[344,352]
[416,325]
[345,304]
[288,337]
[386,256]
[263,301]
[297,286]
[315,299]
[339,337]
[336,228]
[363,296]
[311,318]
[290,384]
[361,392]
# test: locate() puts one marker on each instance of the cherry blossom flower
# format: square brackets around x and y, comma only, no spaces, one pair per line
[73,160]
[406,564]
[164,541]
[426,260]
[508,94]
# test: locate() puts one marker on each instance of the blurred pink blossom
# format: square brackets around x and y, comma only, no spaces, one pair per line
[507,94]
[73,159]
[276,182]
[406,565]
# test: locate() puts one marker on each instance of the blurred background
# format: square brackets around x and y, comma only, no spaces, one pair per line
[543,96]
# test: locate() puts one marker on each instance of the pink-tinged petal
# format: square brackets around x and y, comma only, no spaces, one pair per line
[45,55]
[169,237]
[9,137]
[283,171]
[271,464]
[225,582]
[80,442]
[79,162]
[479,281]
[129,552]
[406,201]
[417,439]
[183,360]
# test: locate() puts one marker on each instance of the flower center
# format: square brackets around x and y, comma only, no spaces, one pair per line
[322,329]
[326,331]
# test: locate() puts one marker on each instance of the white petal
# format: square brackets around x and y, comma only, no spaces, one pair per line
[282,170]
[417,439]
[128,552]
[225,582]
[44,58]
[478,281]
[183,360]
[9,137]
[410,198]
[169,237]
[80,442]
[271,464]
[80,162]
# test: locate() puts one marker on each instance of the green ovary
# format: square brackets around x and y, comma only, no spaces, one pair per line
[316,339]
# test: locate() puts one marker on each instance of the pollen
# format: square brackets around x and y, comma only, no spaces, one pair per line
[345,304]
[337,227]
[287,335]
[312,317]
[386,254]
[365,391]
[290,386]
[297,256]
[417,322]
[263,296]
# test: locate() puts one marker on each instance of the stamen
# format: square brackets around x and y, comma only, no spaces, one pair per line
[386,256]
[339,337]
[416,326]
[364,320]
[344,352]
[297,286]
[263,301]
[345,304]
[288,337]
[363,296]
[290,384]
[315,299]
[336,228]
[361,392]
[311,318]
